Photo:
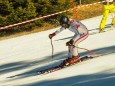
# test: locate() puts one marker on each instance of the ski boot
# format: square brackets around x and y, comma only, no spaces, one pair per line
[101,30]
[70,61]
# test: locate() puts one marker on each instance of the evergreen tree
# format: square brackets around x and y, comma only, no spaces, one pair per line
[30,10]
[5,7]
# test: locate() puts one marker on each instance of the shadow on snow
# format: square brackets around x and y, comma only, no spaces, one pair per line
[103,78]
[12,67]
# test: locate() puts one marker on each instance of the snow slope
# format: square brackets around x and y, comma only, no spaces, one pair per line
[21,57]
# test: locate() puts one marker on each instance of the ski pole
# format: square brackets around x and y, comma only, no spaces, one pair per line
[52,48]
[87,50]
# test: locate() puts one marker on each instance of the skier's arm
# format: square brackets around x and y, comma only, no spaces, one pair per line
[56,32]
[59,30]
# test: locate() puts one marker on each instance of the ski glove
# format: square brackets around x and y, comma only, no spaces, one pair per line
[51,35]
[70,43]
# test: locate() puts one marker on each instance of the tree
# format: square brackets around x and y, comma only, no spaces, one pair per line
[19,3]
[30,10]
[5,8]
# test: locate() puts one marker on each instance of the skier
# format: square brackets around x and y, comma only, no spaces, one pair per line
[107,7]
[80,33]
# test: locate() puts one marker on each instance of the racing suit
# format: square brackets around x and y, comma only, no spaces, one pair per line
[80,33]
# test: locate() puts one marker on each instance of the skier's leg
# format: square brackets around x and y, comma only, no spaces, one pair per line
[73,51]
[78,40]
[105,15]
[113,21]
[112,7]
[70,59]
[70,50]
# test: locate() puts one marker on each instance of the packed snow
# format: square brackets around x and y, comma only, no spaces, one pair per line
[22,57]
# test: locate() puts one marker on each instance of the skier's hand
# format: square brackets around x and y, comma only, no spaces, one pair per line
[51,35]
[70,43]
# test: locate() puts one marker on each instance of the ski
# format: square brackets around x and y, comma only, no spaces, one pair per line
[59,67]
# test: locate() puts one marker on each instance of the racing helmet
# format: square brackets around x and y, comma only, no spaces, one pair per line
[64,20]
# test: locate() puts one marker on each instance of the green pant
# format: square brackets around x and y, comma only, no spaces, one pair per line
[106,10]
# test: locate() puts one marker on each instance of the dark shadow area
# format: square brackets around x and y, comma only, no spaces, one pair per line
[59,57]
[103,78]
[6,68]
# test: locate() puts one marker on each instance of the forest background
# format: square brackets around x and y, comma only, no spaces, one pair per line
[16,11]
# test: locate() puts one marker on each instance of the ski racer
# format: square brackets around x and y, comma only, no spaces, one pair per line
[80,33]
[107,7]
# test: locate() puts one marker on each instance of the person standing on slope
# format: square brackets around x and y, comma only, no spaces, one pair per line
[80,33]
[107,7]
